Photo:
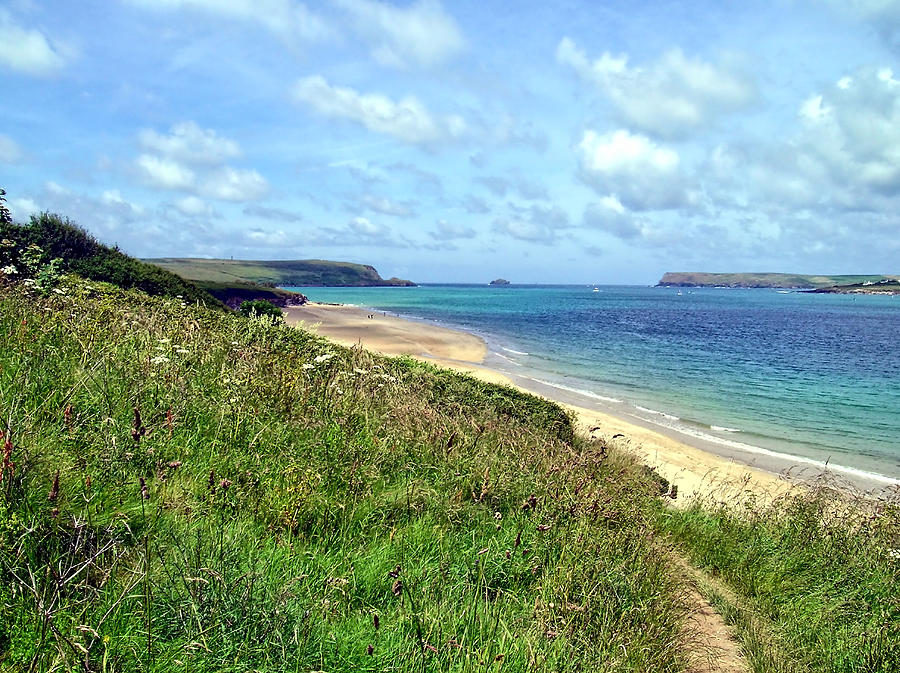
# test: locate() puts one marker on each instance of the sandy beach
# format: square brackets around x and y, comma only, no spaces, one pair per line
[695,469]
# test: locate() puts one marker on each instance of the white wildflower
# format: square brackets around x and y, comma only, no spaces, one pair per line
[164,341]
[307,365]
[9,270]
[58,291]
[324,357]
[159,359]
[360,371]
[183,351]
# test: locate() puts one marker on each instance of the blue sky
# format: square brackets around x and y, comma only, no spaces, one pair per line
[570,141]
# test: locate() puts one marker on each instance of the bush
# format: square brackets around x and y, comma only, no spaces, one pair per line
[259,307]
[81,253]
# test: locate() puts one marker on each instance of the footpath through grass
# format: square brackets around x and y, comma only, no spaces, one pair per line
[814,578]
[185,489]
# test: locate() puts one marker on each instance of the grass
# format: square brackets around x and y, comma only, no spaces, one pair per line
[296,273]
[186,489]
[814,578]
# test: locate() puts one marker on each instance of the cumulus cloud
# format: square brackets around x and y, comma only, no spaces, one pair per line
[10,152]
[28,50]
[192,206]
[233,184]
[189,143]
[670,98]
[446,231]
[165,173]
[852,130]
[641,174]
[287,19]
[192,159]
[407,120]
[421,34]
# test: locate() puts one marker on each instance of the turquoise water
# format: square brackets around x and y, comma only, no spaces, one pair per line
[810,375]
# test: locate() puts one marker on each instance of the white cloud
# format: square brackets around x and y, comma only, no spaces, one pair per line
[421,34]
[232,184]
[27,50]
[193,206]
[852,132]
[165,173]
[274,214]
[189,143]
[639,173]
[447,231]
[192,159]
[536,223]
[669,98]
[611,216]
[407,120]
[287,19]
[385,206]
[10,153]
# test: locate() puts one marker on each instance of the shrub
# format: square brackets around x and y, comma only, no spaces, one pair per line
[259,307]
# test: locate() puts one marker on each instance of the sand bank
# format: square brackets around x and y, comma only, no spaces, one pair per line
[695,467]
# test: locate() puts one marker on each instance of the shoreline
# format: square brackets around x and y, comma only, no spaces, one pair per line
[698,466]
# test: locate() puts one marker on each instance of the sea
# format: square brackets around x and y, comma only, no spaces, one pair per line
[805,379]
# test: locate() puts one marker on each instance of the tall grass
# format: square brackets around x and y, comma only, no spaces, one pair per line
[814,578]
[185,489]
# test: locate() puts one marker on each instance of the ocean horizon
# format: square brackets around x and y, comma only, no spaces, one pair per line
[813,379]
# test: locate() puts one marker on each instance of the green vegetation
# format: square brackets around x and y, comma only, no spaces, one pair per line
[186,489]
[183,488]
[870,287]
[233,294]
[814,580]
[55,238]
[775,280]
[259,307]
[285,273]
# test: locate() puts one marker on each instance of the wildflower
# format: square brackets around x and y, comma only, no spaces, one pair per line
[397,587]
[164,341]
[324,357]
[183,351]
[369,649]
[7,465]
[224,484]
[145,493]
[9,270]
[376,622]
[159,359]
[306,365]
[137,427]
[175,464]
[360,371]
[54,490]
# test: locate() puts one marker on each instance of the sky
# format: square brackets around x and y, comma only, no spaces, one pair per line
[544,142]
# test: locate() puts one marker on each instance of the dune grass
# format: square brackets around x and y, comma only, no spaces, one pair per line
[185,489]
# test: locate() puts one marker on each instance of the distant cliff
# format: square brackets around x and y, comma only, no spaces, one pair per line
[290,273]
[777,280]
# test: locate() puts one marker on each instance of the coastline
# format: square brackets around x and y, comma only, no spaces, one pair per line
[698,466]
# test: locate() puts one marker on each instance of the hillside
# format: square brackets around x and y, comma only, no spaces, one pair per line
[775,280]
[61,245]
[284,273]
[891,287]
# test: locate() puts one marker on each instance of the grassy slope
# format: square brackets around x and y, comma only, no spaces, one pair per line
[81,253]
[233,495]
[296,273]
[782,280]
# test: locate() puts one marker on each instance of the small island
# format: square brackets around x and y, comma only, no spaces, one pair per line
[499,281]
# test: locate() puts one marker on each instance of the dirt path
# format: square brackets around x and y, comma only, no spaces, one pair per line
[713,647]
